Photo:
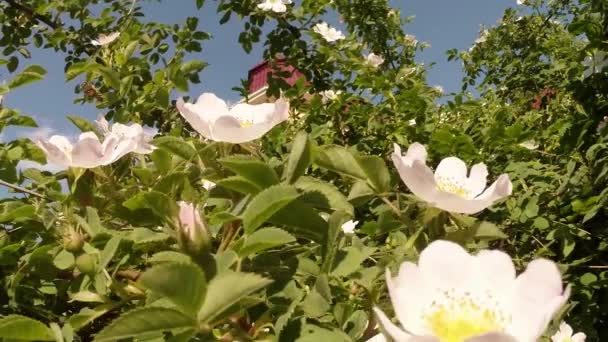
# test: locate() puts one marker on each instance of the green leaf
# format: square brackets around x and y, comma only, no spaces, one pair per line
[109,250]
[360,193]
[16,327]
[227,289]
[376,171]
[255,171]
[169,256]
[350,259]
[301,220]
[158,202]
[29,75]
[314,333]
[175,145]
[182,283]
[193,66]
[76,69]
[86,316]
[264,239]
[110,77]
[83,125]
[265,204]
[239,184]
[299,159]
[330,248]
[145,321]
[488,231]
[340,160]
[335,199]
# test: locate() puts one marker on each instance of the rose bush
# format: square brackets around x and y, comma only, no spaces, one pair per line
[300,219]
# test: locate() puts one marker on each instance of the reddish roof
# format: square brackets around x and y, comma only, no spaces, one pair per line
[258,75]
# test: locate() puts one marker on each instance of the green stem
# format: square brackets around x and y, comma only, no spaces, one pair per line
[21,189]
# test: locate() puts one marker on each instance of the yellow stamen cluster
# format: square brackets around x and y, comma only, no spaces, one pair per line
[452,186]
[455,318]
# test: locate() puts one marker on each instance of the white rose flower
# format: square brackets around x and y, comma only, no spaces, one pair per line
[213,119]
[133,132]
[328,33]
[594,64]
[374,60]
[349,227]
[330,95]
[104,39]
[449,188]
[565,334]
[277,6]
[87,152]
[452,296]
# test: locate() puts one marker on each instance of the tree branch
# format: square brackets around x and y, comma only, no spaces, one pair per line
[33,15]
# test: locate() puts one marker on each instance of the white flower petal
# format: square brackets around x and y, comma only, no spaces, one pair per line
[56,150]
[414,173]
[478,179]
[497,269]
[537,295]
[579,337]
[201,125]
[492,337]
[88,152]
[396,333]
[451,169]
[445,264]
[377,338]
[409,293]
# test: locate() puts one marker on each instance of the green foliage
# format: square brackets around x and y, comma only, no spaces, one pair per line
[99,259]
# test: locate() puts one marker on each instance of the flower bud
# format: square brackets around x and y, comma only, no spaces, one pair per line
[192,233]
[73,242]
[87,264]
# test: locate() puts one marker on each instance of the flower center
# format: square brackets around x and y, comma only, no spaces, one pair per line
[452,186]
[245,123]
[456,318]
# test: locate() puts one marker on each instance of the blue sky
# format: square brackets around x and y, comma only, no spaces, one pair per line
[445,24]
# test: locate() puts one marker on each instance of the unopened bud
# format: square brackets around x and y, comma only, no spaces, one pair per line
[87,264]
[192,234]
[73,242]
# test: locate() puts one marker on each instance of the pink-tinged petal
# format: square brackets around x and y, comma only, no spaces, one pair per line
[423,339]
[415,174]
[497,269]
[409,293]
[478,179]
[390,329]
[457,204]
[501,188]
[62,143]
[493,337]
[87,152]
[453,170]
[54,154]
[229,129]
[210,107]
[197,122]
[445,265]
[416,151]
[115,147]
[189,217]
[537,295]
[274,112]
